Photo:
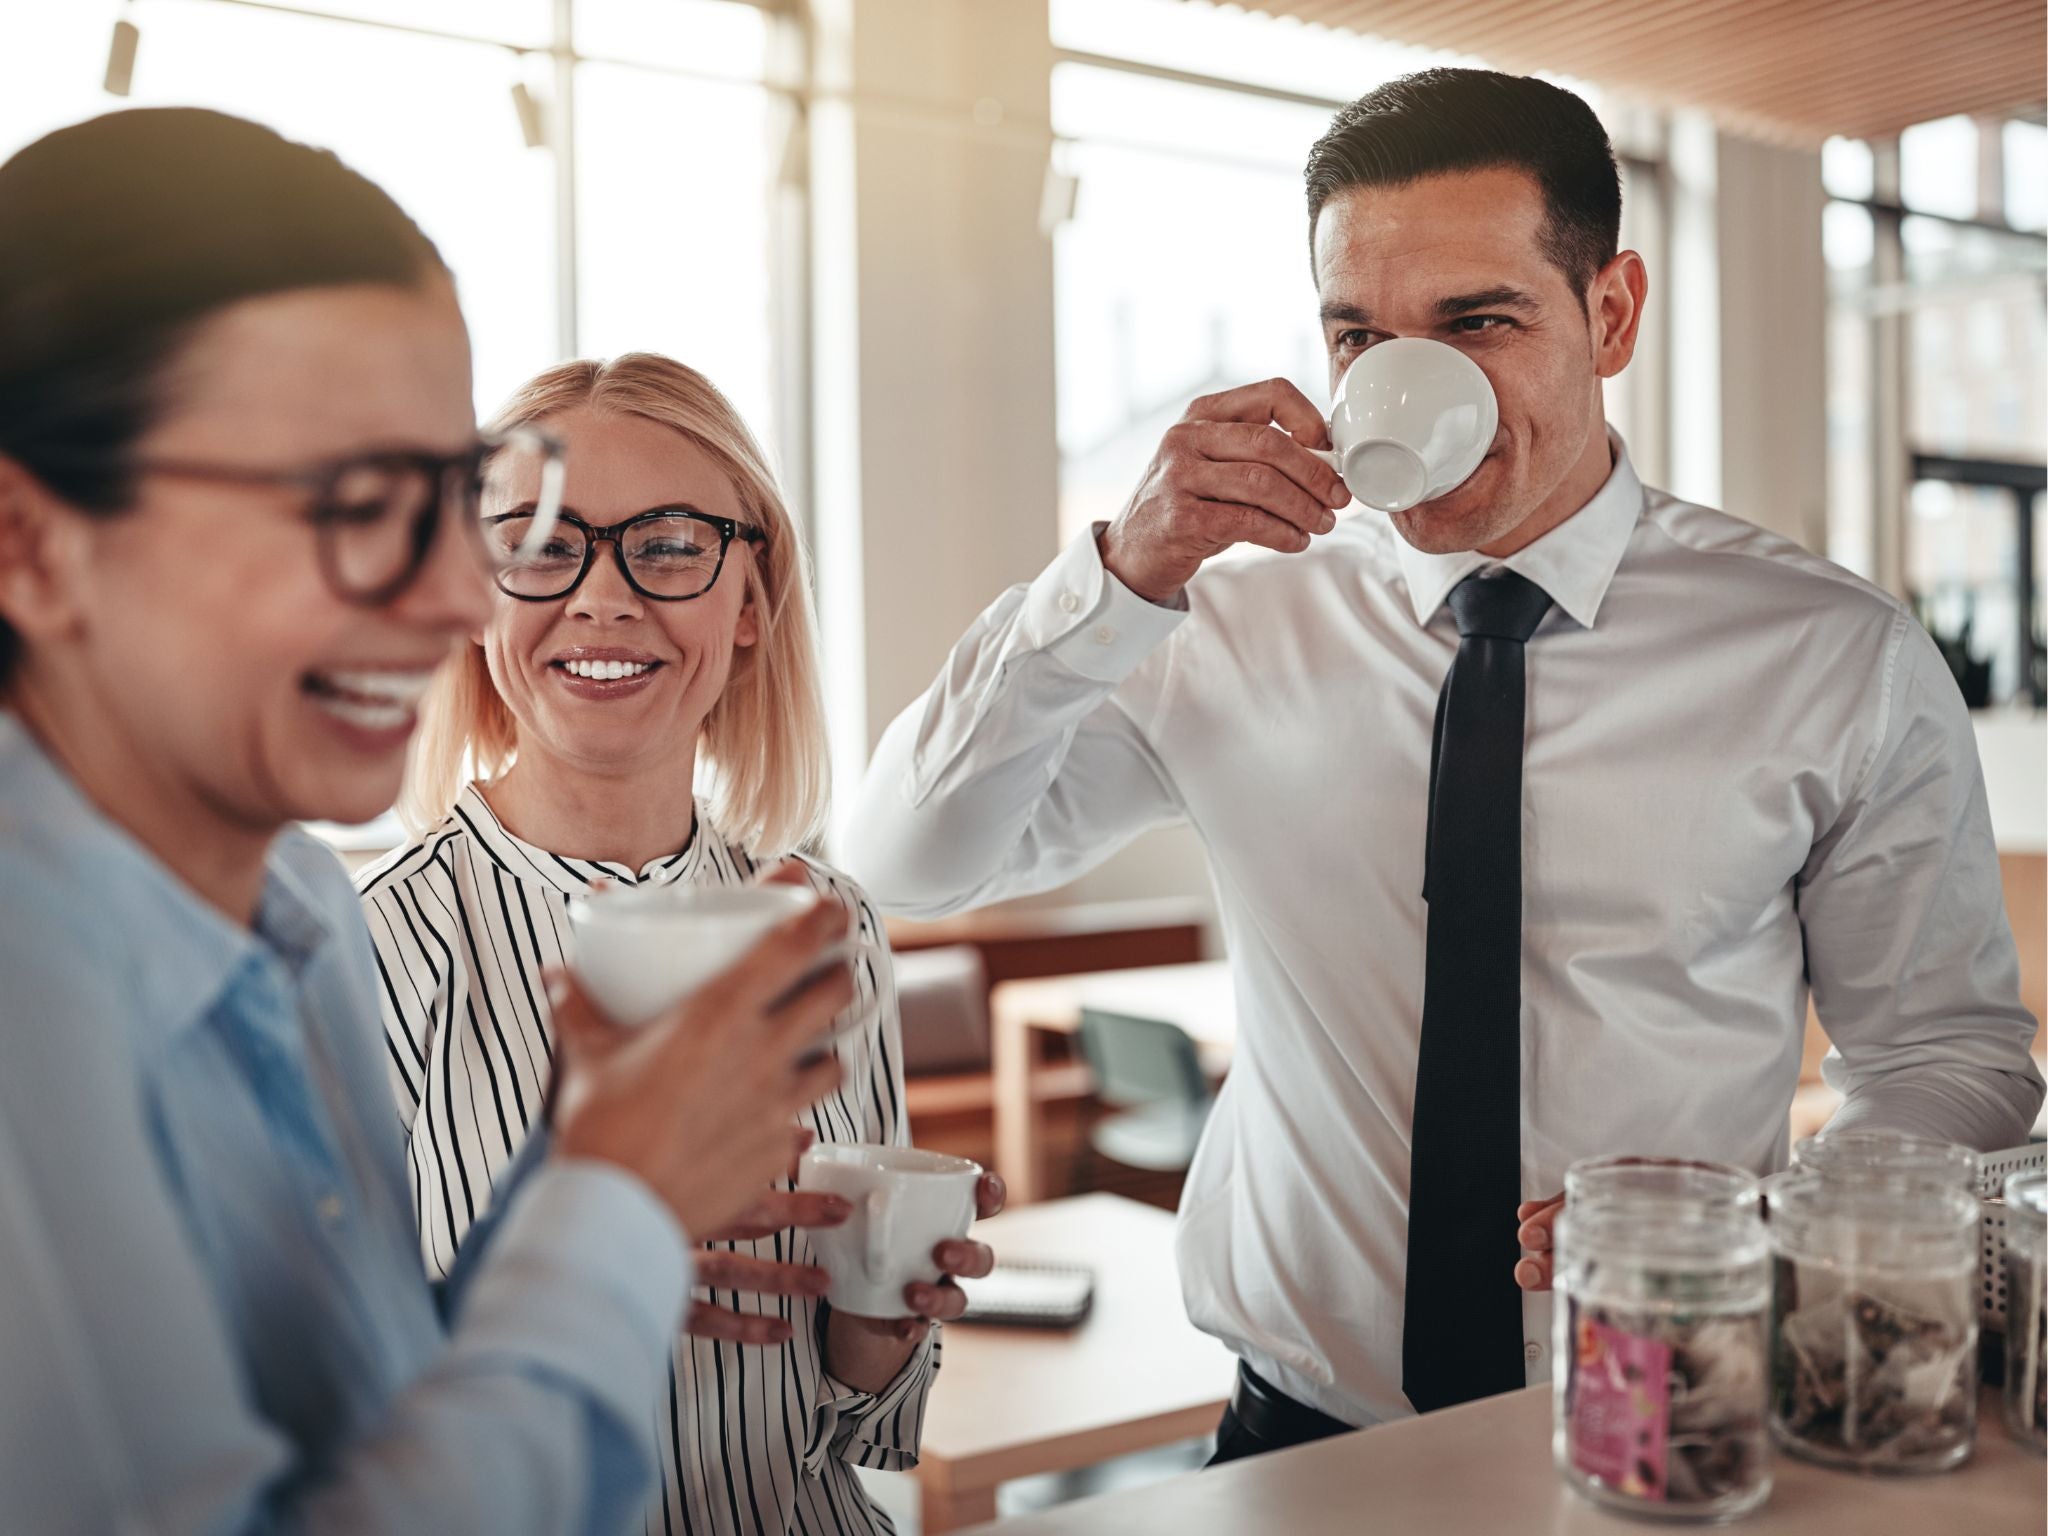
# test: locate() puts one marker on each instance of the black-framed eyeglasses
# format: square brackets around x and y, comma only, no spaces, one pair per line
[669,555]
[376,514]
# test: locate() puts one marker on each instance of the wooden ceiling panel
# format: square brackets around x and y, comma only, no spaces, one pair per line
[1792,69]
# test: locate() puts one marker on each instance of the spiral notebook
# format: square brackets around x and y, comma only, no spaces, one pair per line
[1031,1296]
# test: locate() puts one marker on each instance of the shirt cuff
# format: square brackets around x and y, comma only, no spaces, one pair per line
[848,1416]
[587,1279]
[1093,623]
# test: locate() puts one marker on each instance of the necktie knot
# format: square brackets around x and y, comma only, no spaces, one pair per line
[1498,605]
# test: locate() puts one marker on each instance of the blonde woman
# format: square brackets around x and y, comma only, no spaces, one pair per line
[642,706]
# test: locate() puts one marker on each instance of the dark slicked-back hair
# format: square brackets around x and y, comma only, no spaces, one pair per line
[1444,120]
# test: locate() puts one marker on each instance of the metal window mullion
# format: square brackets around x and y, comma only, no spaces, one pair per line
[1889,467]
[562,145]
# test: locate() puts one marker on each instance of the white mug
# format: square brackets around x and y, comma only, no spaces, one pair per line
[1411,421]
[906,1201]
[640,950]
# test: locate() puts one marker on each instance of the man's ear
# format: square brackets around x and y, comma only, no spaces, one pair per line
[1614,305]
[44,556]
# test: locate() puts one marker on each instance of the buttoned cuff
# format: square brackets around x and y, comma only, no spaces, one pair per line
[1094,624]
[587,1279]
[875,1429]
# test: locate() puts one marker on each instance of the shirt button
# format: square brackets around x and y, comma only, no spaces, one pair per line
[1532,1351]
[331,1210]
[1105,636]
[1069,603]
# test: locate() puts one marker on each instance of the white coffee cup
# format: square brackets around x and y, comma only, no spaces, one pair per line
[1411,421]
[906,1202]
[640,950]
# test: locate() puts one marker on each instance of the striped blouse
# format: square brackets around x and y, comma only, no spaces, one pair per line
[464,921]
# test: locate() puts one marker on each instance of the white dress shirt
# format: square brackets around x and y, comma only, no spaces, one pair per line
[752,1440]
[1747,773]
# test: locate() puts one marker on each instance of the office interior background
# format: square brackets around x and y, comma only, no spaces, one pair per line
[961,262]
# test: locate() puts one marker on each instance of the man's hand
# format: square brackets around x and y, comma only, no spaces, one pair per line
[1236,469]
[1537,1218]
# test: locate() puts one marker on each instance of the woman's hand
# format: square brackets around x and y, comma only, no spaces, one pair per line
[867,1352]
[1537,1218]
[700,1104]
[777,1210]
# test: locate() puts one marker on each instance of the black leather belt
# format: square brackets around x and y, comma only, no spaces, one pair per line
[1266,1411]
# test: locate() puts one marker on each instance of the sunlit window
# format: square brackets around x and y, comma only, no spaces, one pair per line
[1938,167]
[672,247]
[2025,148]
[1185,267]
[677,145]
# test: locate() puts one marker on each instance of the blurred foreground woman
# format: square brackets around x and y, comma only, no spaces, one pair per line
[238,532]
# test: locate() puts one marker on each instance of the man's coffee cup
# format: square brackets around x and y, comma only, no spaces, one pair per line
[906,1202]
[1411,421]
[640,950]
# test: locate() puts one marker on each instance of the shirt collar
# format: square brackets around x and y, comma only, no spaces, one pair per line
[186,951]
[1574,562]
[572,877]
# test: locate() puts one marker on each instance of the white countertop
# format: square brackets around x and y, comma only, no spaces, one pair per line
[1485,1470]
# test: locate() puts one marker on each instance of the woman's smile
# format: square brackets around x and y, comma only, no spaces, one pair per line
[604,672]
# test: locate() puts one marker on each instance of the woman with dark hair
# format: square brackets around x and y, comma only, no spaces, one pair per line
[238,532]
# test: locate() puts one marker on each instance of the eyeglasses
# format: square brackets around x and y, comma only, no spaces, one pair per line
[376,514]
[668,555]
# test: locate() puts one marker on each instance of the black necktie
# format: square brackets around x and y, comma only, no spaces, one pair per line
[1461,1334]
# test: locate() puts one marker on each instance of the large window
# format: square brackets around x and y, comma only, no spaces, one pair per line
[670,244]
[1184,267]
[1938,383]
[644,161]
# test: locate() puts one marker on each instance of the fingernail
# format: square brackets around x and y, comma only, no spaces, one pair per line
[838,1207]
[1539,1239]
[818,1285]
[1329,521]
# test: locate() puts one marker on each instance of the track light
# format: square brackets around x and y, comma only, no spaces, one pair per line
[1057,198]
[121,58]
[533,121]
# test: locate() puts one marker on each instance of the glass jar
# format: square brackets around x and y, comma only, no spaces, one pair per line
[2026,1309]
[1657,1180]
[1662,1338]
[1874,1320]
[1881,1152]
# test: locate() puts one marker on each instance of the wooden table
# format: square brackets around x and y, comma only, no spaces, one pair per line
[1485,1469]
[1197,997]
[1014,1402]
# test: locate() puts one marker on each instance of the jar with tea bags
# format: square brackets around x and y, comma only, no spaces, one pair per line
[1662,1328]
[2026,1308]
[1874,1320]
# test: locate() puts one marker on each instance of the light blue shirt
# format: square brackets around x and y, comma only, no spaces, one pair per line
[212,1312]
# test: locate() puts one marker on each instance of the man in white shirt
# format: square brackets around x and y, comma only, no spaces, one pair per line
[1739,773]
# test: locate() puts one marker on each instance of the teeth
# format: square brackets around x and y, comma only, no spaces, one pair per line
[402,688]
[605,671]
[365,715]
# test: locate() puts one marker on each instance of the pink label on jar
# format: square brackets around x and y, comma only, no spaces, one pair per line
[1620,1408]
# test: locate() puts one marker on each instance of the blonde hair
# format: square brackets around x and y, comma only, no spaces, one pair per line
[766,770]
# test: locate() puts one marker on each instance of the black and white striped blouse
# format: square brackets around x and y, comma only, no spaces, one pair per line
[464,921]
